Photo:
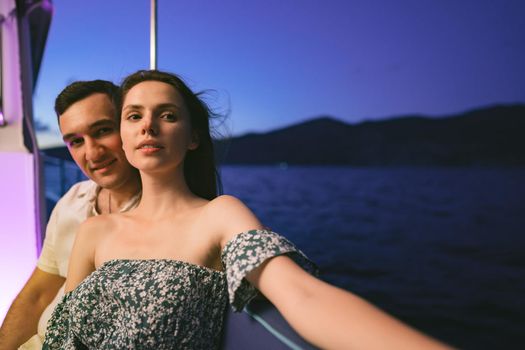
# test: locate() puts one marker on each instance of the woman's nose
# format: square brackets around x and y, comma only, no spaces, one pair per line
[149,127]
[149,131]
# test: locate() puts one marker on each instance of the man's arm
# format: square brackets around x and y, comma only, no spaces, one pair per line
[21,320]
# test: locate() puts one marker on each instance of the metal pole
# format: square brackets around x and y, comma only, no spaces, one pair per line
[153,36]
[3,120]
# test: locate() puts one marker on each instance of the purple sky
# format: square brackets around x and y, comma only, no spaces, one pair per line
[277,62]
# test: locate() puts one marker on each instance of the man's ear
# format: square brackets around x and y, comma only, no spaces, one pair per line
[194,141]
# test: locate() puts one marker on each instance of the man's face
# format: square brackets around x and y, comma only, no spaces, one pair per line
[90,131]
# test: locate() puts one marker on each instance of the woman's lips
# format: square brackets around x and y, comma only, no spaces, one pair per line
[149,147]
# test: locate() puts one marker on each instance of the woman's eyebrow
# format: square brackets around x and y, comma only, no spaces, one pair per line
[132,107]
[157,107]
[167,105]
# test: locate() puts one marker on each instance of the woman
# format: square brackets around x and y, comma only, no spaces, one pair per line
[160,275]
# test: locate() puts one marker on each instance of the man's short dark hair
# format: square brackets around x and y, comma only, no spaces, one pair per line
[79,90]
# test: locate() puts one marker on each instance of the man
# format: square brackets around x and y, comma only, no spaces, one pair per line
[89,117]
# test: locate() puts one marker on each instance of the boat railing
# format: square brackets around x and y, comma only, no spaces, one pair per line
[60,174]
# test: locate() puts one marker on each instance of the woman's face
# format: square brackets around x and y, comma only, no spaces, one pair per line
[155,128]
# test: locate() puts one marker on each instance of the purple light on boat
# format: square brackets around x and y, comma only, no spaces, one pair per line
[46,5]
[17,225]
[19,211]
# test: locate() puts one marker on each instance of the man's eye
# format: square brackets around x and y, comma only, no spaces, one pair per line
[104,131]
[133,116]
[74,142]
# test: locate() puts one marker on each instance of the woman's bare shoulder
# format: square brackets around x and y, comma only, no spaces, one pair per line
[225,201]
[230,216]
[97,225]
[229,206]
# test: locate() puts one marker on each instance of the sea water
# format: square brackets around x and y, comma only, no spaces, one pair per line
[443,249]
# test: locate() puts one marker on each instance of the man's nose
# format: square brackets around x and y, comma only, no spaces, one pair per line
[94,150]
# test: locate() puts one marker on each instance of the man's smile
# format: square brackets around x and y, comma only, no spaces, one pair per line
[103,167]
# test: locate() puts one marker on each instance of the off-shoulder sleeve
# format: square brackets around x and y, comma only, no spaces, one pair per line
[248,250]
[59,334]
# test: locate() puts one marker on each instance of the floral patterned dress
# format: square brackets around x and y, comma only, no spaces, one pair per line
[163,304]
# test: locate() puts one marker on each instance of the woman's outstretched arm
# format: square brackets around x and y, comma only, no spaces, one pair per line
[330,317]
[326,316]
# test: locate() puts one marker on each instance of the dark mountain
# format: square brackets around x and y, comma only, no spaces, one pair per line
[489,136]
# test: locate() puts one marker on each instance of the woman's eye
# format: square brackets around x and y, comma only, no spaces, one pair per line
[133,117]
[169,117]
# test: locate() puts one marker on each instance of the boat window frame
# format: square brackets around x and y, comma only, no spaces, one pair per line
[3,121]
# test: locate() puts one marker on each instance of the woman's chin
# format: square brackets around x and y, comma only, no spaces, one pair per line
[156,167]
